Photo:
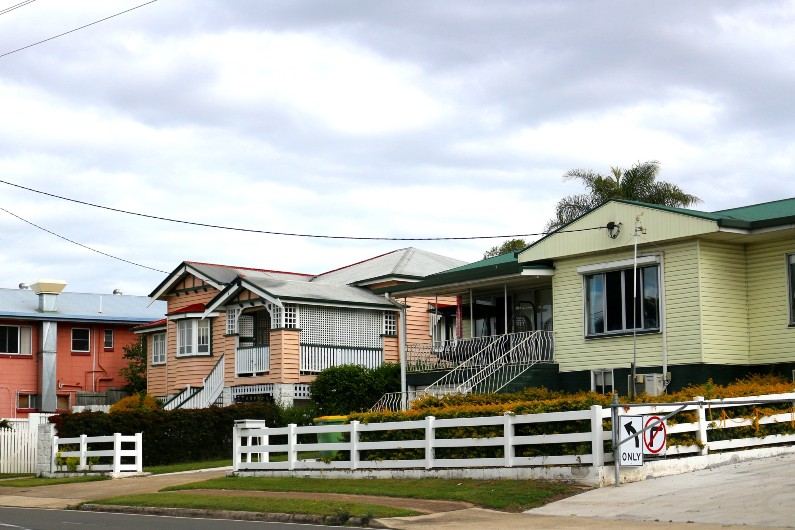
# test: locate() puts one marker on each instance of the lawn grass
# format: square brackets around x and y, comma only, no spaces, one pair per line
[189,466]
[32,482]
[343,510]
[505,495]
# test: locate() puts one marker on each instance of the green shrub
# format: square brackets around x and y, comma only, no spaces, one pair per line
[171,436]
[141,402]
[352,388]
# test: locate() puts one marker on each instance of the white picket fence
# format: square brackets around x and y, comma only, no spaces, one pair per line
[18,446]
[109,458]
[252,450]
[18,451]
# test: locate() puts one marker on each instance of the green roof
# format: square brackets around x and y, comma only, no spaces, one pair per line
[496,267]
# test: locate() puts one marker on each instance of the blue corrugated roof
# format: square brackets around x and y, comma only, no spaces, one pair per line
[83,307]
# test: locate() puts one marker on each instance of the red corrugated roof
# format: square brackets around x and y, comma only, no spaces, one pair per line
[155,324]
[193,308]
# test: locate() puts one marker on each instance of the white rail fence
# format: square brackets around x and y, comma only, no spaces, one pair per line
[254,444]
[116,454]
[317,357]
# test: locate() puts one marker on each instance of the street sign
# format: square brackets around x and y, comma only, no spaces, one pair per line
[655,439]
[631,451]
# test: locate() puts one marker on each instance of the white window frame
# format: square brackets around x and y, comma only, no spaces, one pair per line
[590,272]
[88,340]
[24,340]
[158,348]
[193,337]
[598,380]
[105,334]
[390,323]
[791,287]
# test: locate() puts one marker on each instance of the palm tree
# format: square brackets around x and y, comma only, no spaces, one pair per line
[638,183]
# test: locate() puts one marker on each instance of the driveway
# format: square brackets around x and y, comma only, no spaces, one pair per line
[757,493]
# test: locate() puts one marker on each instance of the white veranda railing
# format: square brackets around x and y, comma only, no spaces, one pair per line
[253,360]
[317,357]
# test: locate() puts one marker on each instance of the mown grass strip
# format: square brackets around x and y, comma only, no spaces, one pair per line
[189,466]
[32,482]
[258,504]
[505,495]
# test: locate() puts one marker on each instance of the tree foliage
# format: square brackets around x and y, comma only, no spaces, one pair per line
[638,183]
[135,371]
[353,388]
[511,245]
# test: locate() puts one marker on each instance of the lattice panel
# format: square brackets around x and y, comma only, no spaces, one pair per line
[390,323]
[245,326]
[341,326]
[290,316]
[231,320]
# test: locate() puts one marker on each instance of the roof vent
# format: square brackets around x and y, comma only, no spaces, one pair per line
[23,286]
[117,292]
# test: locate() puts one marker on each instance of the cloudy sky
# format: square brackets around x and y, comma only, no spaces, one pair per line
[370,119]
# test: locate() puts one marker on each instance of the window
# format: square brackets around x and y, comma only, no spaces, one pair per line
[108,339]
[609,301]
[602,381]
[159,348]
[390,324]
[791,275]
[15,340]
[193,337]
[81,339]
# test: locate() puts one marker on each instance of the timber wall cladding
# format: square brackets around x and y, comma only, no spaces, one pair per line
[772,338]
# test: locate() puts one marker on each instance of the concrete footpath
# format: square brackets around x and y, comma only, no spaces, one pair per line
[753,494]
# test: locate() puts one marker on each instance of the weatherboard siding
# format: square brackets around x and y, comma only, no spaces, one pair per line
[574,352]
[772,339]
[660,226]
[724,303]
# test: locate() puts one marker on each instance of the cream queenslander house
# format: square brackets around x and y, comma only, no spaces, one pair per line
[233,334]
[713,298]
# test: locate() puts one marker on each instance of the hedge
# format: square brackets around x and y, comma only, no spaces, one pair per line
[172,436]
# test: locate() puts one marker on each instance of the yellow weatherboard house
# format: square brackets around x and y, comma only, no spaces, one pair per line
[686,295]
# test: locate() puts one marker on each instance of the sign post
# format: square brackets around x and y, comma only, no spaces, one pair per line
[655,437]
[631,451]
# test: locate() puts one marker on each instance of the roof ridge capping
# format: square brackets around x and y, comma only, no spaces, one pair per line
[248,268]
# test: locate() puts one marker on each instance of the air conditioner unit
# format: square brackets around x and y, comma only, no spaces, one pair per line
[652,384]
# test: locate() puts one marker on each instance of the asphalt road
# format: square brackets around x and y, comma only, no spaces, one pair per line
[36,519]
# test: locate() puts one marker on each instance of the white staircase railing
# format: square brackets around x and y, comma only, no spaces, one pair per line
[537,347]
[211,389]
[498,361]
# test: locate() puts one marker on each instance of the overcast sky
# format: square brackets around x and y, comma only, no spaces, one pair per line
[370,119]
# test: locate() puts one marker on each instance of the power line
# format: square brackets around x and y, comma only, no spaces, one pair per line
[82,245]
[72,30]
[289,234]
[17,6]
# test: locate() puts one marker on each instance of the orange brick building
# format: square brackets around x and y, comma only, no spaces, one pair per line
[55,345]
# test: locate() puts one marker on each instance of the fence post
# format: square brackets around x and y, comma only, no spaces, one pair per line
[292,439]
[33,420]
[430,436]
[701,434]
[83,449]
[509,451]
[236,433]
[116,452]
[597,441]
[139,452]
[46,447]
[354,444]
